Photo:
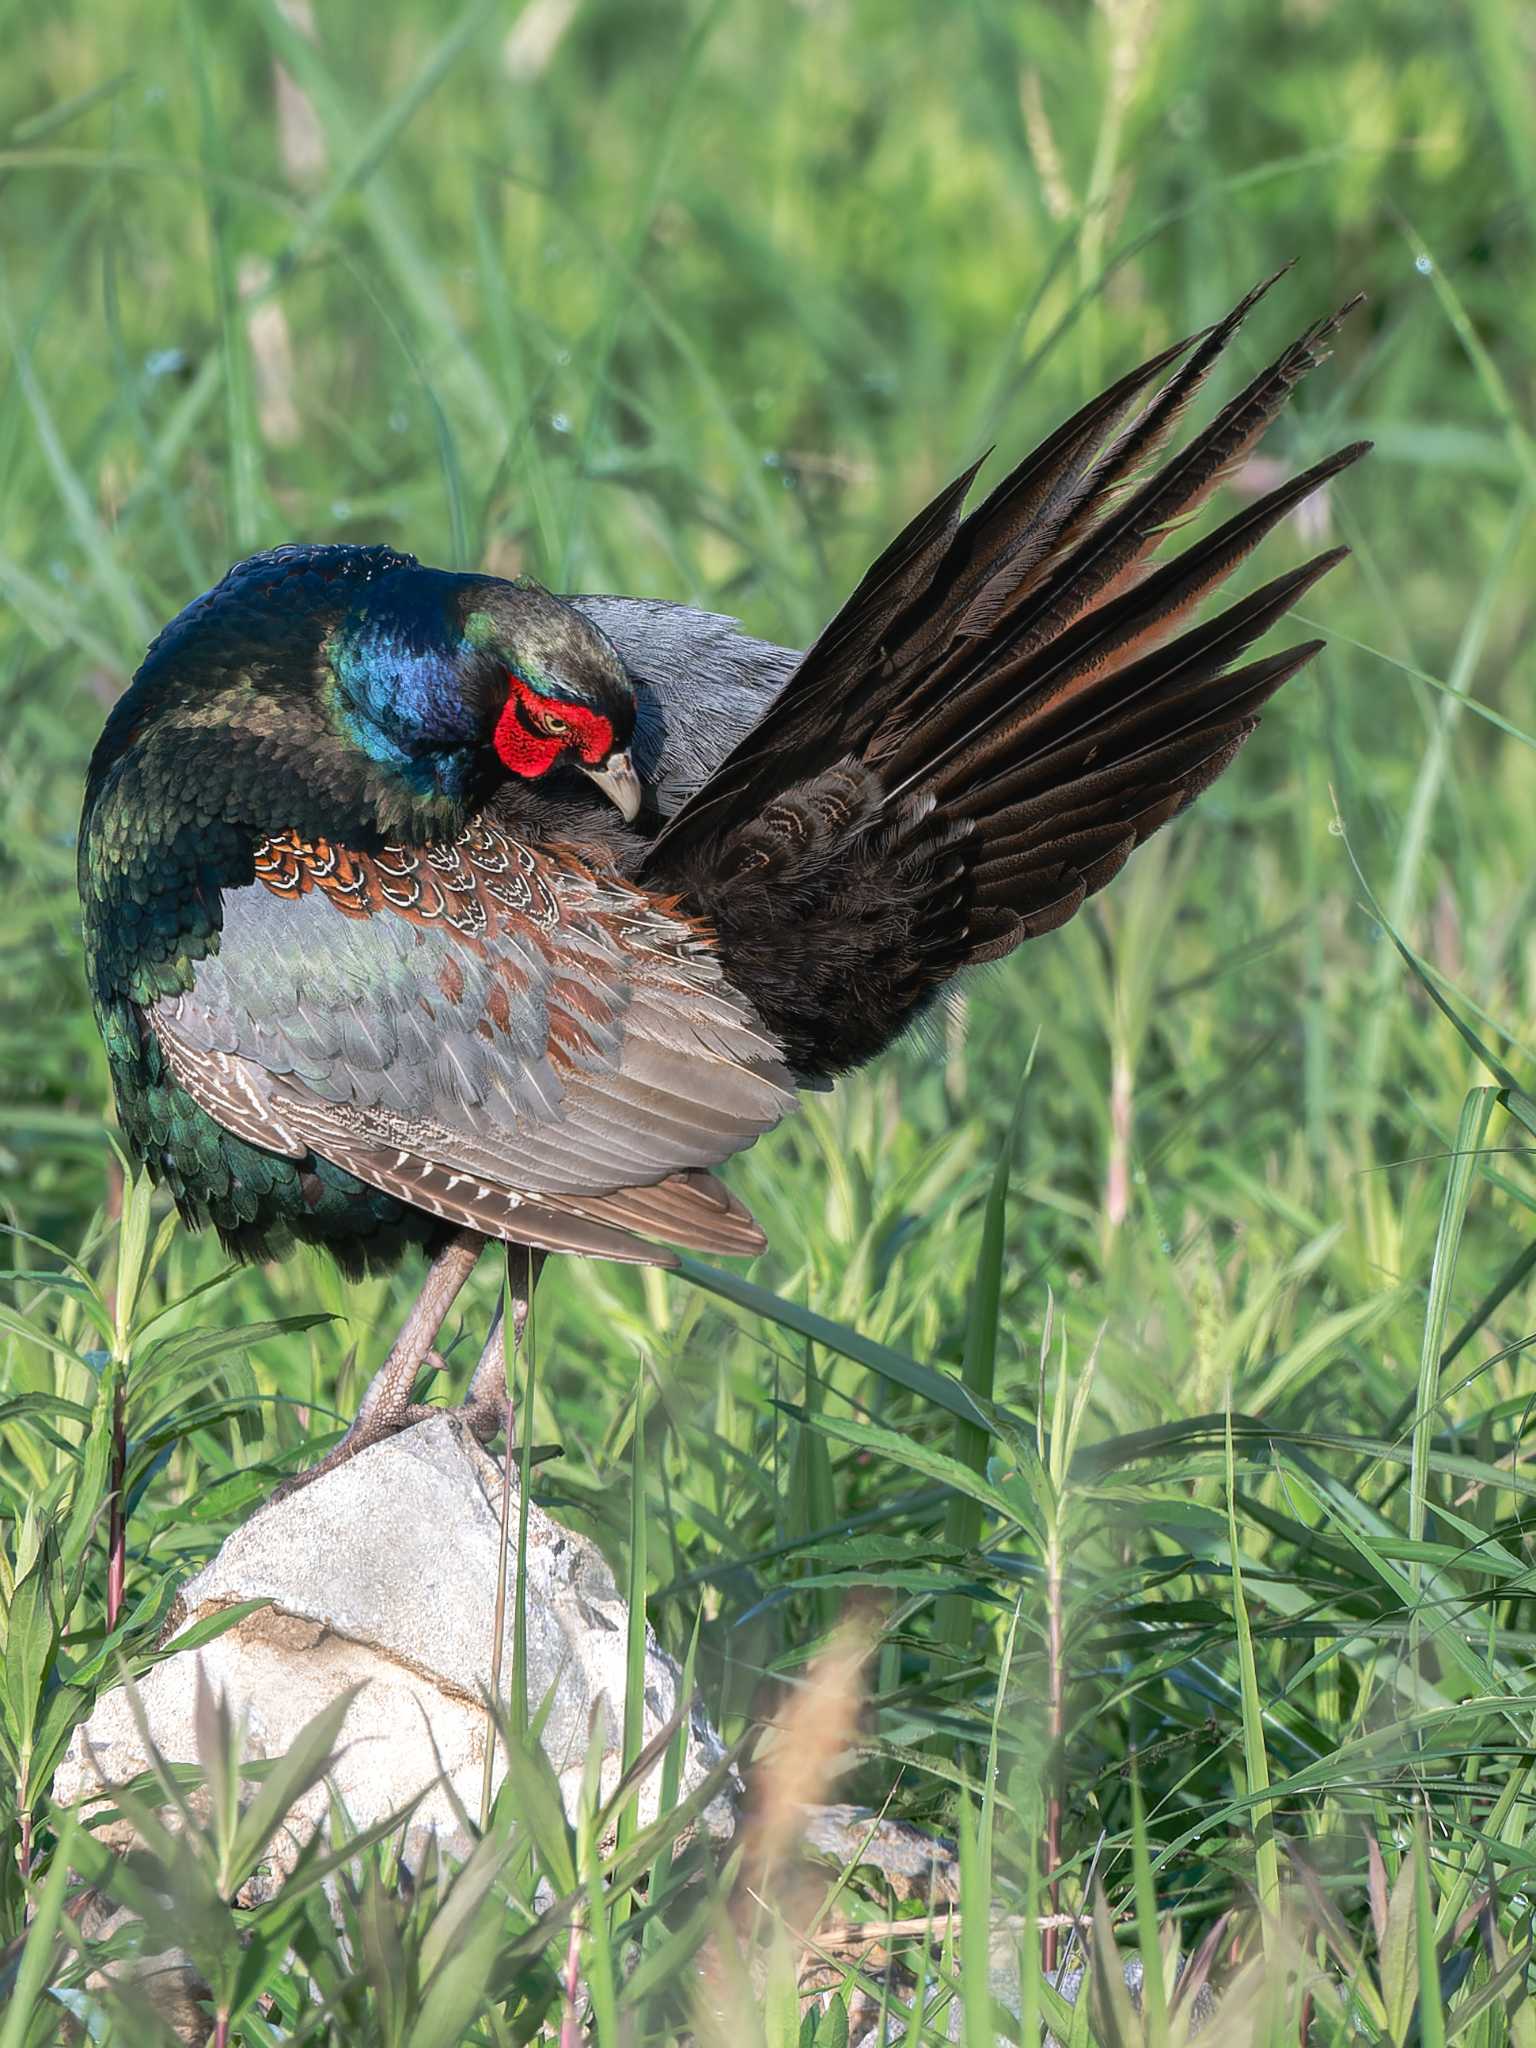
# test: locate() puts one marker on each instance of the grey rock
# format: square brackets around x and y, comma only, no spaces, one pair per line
[914,1863]
[383,1575]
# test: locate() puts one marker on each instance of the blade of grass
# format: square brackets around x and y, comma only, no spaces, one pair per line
[1154,1993]
[1266,1856]
[243,452]
[634,1660]
[1431,2009]
[969,1443]
[944,1392]
[1470,1133]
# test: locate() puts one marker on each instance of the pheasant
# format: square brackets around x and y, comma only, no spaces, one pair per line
[423,909]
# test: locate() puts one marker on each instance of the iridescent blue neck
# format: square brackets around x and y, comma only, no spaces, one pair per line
[403,686]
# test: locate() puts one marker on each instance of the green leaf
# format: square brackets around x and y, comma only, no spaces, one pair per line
[33,1332]
[319,1860]
[88,1500]
[217,1741]
[976,1939]
[1431,2010]
[31,1640]
[305,1762]
[1398,1964]
[132,1245]
[458,1990]
[969,1440]
[66,1708]
[186,1423]
[1154,1993]
[1266,1858]
[1009,1501]
[1470,1134]
[942,1391]
[204,1631]
[189,1353]
[531,1791]
[832,2027]
[633,1733]
[1504,1990]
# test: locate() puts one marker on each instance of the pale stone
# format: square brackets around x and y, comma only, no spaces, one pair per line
[383,1575]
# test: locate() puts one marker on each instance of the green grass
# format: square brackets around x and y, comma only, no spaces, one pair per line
[700,302]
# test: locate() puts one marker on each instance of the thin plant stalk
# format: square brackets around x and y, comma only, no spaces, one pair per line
[516,1330]
[1055,1730]
[571,2035]
[503,1535]
[117,1519]
[633,1732]
[970,1442]
[524,1486]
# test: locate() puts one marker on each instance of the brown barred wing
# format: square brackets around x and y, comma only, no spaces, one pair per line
[510,1037]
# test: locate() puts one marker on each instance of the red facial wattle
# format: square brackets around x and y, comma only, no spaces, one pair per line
[520,749]
[524,749]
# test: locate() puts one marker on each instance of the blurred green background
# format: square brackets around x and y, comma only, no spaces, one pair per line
[700,302]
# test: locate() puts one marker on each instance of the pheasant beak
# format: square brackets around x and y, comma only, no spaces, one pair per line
[617,779]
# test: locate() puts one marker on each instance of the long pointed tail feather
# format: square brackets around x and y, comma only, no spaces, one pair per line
[1009,703]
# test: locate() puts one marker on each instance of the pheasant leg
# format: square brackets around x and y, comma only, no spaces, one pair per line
[487,1404]
[386,1407]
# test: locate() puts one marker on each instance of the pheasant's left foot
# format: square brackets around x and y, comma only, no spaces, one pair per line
[487,1404]
[486,1407]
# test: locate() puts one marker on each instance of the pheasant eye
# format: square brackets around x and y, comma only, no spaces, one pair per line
[555,726]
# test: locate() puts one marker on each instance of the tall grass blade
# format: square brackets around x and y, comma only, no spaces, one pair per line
[969,1442]
[1266,1855]
[638,1579]
[1465,1162]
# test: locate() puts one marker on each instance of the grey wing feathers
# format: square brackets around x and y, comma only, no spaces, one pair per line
[702,686]
[690,1208]
[587,1067]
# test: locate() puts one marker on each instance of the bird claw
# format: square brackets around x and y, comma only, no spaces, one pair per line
[365,1432]
[481,1418]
